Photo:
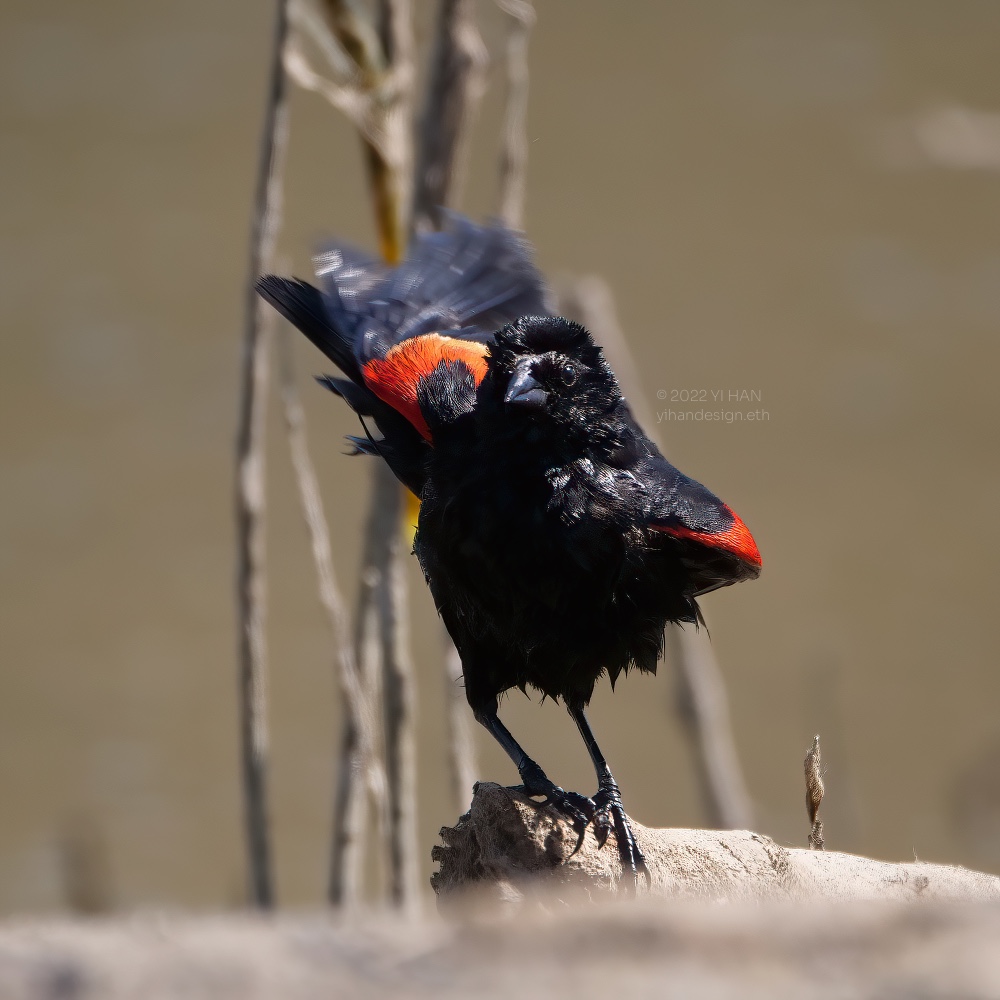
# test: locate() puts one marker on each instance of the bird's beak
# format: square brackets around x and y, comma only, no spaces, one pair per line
[524,391]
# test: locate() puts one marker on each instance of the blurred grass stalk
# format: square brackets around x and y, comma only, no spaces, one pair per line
[359,701]
[383,54]
[251,578]
[377,51]
[514,153]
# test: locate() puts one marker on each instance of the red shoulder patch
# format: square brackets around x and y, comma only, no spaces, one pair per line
[736,539]
[394,378]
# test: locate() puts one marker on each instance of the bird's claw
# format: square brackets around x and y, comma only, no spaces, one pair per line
[610,813]
[575,808]
[603,825]
[604,811]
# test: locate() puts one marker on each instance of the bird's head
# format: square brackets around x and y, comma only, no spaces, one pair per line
[548,370]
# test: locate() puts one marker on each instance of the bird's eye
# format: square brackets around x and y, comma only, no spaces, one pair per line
[568,374]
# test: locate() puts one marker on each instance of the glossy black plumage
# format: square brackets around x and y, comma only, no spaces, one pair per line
[557,541]
[534,528]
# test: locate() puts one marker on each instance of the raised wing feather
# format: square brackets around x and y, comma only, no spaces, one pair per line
[466,281]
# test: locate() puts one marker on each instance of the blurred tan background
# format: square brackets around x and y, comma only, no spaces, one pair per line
[793,197]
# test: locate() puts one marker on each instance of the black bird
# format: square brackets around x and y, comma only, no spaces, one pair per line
[557,541]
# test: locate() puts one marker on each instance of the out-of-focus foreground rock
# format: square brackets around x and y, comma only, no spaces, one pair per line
[669,949]
[730,914]
[508,847]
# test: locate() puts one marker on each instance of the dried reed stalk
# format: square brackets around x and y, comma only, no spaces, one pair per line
[370,49]
[383,53]
[250,482]
[457,81]
[361,729]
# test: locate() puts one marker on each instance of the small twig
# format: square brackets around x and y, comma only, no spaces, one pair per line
[701,690]
[306,20]
[457,82]
[814,795]
[250,482]
[346,99]
[514,154]
[359,36]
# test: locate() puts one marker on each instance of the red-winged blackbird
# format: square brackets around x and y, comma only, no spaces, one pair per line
[557,541]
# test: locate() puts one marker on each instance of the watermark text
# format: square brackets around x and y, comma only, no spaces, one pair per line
[710,395]
[724,405]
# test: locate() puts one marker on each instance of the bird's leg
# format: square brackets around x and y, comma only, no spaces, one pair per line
[578,809]
[608,801]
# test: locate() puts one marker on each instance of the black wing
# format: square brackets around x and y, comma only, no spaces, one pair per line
[711,541]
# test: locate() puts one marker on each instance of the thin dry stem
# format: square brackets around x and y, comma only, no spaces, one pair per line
[377,47]
[390,176]
[346,99]
[381,642]
[250,488]
[360,755]
[814,795]
[701,691]
[354,29]
[514,154]
[704,709]
[399,693]
[375,96]
[457,82]
[382,53]
[306,20]
[389,163]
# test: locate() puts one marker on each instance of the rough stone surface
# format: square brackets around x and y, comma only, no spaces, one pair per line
[508,848]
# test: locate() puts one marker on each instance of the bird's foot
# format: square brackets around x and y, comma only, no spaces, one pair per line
[605,811]
[609,813]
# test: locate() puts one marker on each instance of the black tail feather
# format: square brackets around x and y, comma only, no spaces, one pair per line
[303,306]
[364,445]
